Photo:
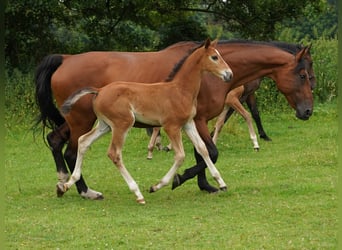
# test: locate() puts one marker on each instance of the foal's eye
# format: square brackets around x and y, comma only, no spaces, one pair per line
[215,58]
[302,77]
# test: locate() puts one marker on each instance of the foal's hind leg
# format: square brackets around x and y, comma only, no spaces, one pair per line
[191,131]
[115,154]
[219,123]
[153,142]
[83,144]
[236,104]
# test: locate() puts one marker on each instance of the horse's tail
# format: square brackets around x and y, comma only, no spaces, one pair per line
[67,105]
[49,114]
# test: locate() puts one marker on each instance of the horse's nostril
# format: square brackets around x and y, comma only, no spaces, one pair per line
[308,112]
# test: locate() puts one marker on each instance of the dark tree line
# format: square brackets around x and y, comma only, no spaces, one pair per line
[35,28]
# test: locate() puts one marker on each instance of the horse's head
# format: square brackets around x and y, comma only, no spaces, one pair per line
[296,82]
[214,63]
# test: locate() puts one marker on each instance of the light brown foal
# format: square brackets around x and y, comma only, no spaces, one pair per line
[171,104]
[232,101]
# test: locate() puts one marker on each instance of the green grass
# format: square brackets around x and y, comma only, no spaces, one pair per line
[283,197]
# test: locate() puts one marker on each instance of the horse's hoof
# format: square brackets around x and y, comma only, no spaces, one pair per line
[166,149]
[176,181]
[60,189]
[92,195]
[256,149]
[99,197]
[152,189]
[224,189]
[141,201]
[209,189]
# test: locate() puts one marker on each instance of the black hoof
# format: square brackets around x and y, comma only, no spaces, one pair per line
[209,189]
[152,190]
[224,189]
[256,149]
[100,197]
[166,149]
[176,181]
[265,137]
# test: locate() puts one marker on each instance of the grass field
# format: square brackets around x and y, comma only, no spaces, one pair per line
[283,197]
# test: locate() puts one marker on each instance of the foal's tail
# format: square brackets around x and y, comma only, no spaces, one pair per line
[67,105]
[49,114]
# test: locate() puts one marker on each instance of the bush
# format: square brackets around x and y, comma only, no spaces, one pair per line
[20,104]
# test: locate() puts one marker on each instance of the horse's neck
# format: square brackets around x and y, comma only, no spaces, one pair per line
[251,61]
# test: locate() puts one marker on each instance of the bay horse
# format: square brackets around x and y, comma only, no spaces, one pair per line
[234,100]
[171,104]
[58,76]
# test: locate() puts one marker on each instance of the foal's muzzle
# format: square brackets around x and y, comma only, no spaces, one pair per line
[228,76]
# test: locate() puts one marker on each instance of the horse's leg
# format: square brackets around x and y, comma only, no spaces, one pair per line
[175,137]
[219,123]
[84,143]
[115,154]
[236,104]
[56,140]
[155,133]
[199,169]
[252,105]
[191,131]
[79,127]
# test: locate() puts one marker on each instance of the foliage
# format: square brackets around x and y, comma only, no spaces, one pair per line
[37,28]
[282,197]
[313,24]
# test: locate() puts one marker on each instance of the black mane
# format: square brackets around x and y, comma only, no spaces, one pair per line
[288,47]
[178,65]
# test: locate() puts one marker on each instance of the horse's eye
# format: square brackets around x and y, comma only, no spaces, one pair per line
[302,77]
[215,58]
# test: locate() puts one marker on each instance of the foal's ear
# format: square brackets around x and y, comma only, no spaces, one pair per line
[214,43]
[207,43]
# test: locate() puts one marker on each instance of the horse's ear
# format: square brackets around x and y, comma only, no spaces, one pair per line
[309,47]
[301,53]
[207,43]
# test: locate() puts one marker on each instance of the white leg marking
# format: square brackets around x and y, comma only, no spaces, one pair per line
[176,141]
[191,131]
[83,144]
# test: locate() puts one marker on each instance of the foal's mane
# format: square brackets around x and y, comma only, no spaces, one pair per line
[180,63]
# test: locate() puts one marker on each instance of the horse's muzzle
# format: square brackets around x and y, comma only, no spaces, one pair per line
[304,114]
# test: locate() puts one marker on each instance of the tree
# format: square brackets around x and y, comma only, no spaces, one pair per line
[35,28]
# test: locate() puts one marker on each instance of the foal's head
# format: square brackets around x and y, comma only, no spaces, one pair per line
[214,63]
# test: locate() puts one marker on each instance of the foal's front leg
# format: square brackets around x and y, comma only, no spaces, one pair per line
[115,154]
[175,137]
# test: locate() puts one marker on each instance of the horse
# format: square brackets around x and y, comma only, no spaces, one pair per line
[58,76]
[234,101]
[170,104]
